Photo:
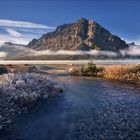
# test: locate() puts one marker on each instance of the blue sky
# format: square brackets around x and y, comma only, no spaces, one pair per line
[22,20]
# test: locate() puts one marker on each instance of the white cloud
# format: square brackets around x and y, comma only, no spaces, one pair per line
[21,32]
[9,38]
[136,40]
[13,33]
[132,51]
[3,54]
[23,24]
[78,52]
[32,31]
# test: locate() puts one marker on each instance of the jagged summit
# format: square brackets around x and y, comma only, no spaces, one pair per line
[132,44]
[81,35]
[82,20]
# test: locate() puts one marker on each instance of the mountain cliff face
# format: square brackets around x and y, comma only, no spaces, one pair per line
[80,35]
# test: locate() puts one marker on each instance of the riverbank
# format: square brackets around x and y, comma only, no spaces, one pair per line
[23,86]
[88,109]
[124,73]
[20,89]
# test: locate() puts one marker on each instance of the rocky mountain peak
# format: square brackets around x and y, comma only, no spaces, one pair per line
[132,44]
[82,20]
[81,35]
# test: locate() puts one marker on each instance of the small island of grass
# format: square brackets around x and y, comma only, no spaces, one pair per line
[125,73]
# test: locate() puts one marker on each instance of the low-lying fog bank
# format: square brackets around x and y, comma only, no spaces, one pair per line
[106,62]
[9,51]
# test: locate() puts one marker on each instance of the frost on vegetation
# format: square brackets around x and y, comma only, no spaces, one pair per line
[22,85]
[20,90]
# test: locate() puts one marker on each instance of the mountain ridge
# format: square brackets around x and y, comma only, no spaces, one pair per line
[80,35]
[82,39]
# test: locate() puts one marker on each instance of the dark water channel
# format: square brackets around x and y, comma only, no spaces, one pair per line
[88,109]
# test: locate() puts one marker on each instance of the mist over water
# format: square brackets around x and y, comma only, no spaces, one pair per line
[3,54]
[67,62]
[132,51]
[77,52]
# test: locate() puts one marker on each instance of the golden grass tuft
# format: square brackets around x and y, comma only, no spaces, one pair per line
[128,73]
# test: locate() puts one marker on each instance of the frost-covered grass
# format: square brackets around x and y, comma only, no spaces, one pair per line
[19,91]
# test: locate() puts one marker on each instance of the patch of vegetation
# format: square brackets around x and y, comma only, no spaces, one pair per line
[20,91]
[128,73]
[89,69]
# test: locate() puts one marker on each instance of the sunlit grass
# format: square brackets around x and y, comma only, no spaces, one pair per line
[128,73]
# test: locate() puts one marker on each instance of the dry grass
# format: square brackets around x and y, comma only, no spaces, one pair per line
[128,73]
[19,68]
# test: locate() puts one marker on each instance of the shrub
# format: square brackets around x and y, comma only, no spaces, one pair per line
[91,69]
[85,70]
[20,91]
[26,85]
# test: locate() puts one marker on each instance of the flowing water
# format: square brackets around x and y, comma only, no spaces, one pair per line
[88,109]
